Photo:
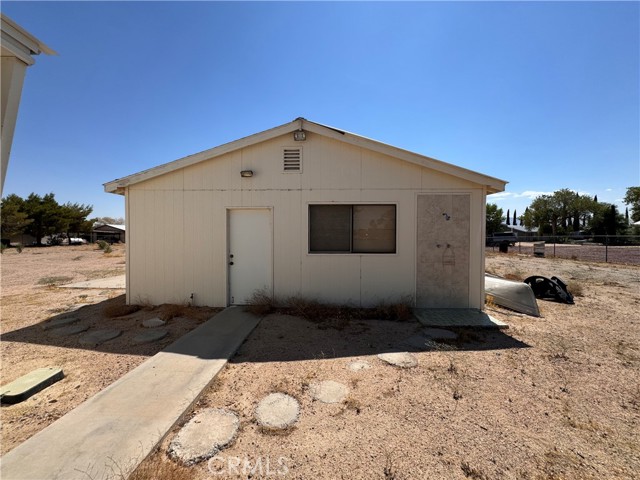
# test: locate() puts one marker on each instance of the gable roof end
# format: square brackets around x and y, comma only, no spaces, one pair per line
[492,184]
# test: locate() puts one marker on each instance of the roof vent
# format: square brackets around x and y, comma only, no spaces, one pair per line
[292,159]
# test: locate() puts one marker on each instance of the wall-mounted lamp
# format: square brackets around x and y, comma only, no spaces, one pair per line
[300,135]
[246,173]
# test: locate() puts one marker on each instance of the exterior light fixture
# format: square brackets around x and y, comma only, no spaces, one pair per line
[246,173]
[300,135]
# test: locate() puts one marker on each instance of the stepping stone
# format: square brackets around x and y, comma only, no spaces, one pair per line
[70,330]
[30,384]
[204,435]
[150,336]
[277,411]
[358,365]
[153,323]
[399,359]
[328,391]
[99,336]
[59,322]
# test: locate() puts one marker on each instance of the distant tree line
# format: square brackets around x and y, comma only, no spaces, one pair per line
[41,216]
[566,211]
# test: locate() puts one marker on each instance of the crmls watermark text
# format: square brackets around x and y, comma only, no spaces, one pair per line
[264,466]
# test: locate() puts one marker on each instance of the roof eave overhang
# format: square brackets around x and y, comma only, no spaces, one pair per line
[492,185]
[118,186]
[19,43]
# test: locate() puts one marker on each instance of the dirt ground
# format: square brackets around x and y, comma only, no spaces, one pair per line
[30,297]
[552,397]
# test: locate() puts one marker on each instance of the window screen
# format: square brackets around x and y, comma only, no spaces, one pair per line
[330,228]
[352,228]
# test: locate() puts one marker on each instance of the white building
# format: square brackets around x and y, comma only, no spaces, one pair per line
[306,209]
[18,47]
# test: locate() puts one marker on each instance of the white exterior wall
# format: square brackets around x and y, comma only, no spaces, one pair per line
[177,232]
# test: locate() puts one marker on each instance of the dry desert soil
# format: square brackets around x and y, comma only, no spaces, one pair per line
[555,397]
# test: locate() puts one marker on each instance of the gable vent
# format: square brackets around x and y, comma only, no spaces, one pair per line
[292,159]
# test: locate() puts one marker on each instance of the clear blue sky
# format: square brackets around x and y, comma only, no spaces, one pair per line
[544,95]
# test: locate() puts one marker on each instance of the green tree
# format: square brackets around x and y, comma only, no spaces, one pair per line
[494,218]
[632,198]
[540,214]
[72,218]
[560,212]
[14,219]
[508,221]
[44,213]
[607,221]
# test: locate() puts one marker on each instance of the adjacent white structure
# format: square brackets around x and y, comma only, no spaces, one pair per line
[18,47]
[311,210]
[109,233]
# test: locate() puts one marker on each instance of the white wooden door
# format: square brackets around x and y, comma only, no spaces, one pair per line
[250,253]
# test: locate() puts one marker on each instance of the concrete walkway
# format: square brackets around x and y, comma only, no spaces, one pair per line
[119,281]
[111,433]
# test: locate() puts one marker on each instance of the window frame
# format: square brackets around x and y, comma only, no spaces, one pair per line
[351,225]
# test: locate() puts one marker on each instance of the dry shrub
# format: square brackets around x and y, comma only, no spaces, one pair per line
[261,303]
[400,311]
[167,311]
[351,403]
[157,468]
[308,308]
[575,289]
[471,472]
[516,277]
[327,315]
[119,310]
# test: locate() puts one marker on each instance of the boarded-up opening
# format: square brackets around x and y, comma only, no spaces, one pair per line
[442,273]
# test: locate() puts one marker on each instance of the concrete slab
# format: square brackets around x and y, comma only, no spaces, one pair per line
[98,337]
[399,359]
[117,428]
[59,322]
[328,391]
[457,318]
[153,323]
[30,384]
[118,282]
[204,435]
[150,336]
[277,411]
[358,365]
[70,330]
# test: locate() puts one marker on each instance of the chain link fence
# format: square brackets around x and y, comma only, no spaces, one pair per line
[623,249]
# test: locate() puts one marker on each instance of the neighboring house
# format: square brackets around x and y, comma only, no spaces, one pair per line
[521,231]
[109,233]
[306,209]
[18,47]
[22,239]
